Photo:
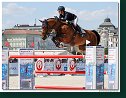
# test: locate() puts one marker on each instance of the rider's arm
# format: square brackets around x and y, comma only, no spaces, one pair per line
[75,16]
[60,16]
[66,17]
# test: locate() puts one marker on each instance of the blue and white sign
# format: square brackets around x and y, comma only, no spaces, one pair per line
[5,81]
[90,67]
[113,68]
[80,66]
[26,70]
[99,67]
[13,69]
[94,67]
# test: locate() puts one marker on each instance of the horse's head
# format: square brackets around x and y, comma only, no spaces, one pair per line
[44,29]
[47,26]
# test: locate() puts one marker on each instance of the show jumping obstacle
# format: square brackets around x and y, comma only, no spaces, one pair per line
[90,69]
[54,72]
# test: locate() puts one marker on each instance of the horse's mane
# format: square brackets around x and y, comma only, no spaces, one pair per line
[50,18]
[63,21]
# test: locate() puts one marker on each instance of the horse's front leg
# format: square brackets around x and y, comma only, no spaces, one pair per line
[56,42]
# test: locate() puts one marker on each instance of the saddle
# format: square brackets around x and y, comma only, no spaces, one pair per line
[77,29]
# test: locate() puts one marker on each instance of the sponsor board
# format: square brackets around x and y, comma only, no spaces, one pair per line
[26,69]
[5,80]
[113,68]
[94,67]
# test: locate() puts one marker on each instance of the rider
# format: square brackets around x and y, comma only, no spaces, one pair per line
[70,18]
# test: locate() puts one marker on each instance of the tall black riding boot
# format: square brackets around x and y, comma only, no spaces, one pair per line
[80,31]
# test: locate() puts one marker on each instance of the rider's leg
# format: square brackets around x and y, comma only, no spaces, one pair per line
[75,25]
[78,28]
[75,21]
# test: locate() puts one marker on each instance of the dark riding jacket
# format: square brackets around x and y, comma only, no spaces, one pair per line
[67,16]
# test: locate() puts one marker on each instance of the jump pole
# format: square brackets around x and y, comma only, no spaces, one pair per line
[59,87]
[47,56]
[60,72]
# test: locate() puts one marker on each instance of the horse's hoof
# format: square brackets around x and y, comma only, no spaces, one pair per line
[58,45]
[88,44]
[61,45]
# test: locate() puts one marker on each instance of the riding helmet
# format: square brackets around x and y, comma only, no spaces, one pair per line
[61,8]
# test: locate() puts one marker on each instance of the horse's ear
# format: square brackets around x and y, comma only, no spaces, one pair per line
[40,20]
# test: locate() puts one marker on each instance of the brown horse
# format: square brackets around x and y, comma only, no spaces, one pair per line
[65,33]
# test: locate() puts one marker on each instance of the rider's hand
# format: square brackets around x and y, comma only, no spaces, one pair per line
[67,22]
[55,17]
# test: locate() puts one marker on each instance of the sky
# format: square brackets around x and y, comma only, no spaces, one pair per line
[90,14]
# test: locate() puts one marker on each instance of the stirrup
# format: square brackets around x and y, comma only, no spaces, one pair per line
[82,34]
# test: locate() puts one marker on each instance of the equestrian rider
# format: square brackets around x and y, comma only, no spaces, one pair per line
[70,18]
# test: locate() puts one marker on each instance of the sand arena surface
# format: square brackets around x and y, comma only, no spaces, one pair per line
[66,80]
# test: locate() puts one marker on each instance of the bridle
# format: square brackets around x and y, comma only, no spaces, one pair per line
[46,25]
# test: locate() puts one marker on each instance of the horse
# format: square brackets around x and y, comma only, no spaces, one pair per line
[66,34]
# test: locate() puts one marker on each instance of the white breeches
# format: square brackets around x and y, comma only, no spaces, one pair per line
[75,21]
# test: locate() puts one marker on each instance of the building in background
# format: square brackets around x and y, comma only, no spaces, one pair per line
[26,36]
[19,38]
[109,34]
[28,27]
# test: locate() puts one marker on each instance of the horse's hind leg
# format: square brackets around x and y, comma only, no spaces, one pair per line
[82,47]
[93,41]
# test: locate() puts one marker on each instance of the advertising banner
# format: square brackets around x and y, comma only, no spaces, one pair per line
[26,70]
[94,67]
[113,68]
[5,72]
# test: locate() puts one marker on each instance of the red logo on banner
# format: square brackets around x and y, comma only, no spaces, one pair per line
[48,70]
[58,64]
[39,65]
[72,65]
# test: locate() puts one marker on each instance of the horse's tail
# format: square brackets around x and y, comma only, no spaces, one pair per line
[98,36]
